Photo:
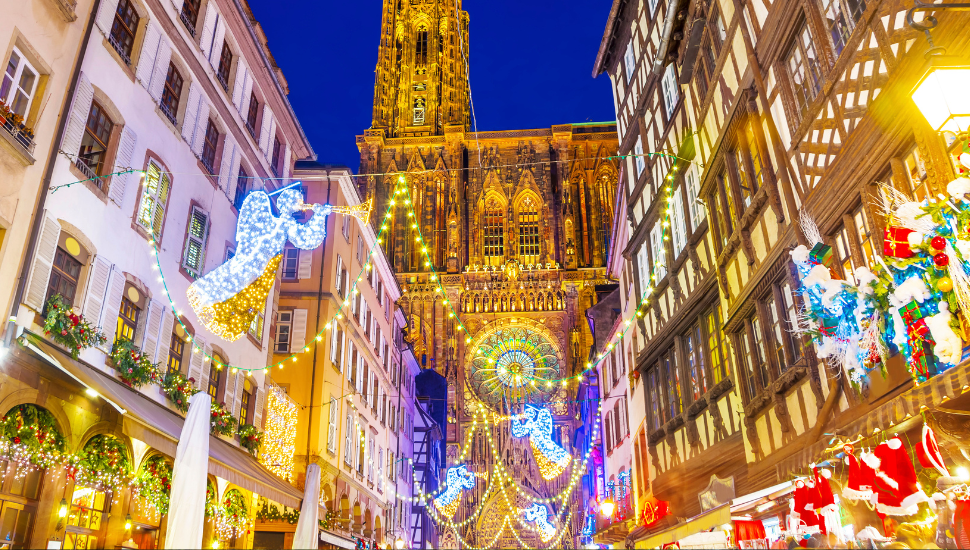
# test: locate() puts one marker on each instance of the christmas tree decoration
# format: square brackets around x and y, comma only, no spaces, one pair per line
[227,298]
[458,478]
[539,514]
[536,423]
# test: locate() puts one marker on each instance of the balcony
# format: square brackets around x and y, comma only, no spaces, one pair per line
[189,25]
[120,50]
[81,165]
[19,138]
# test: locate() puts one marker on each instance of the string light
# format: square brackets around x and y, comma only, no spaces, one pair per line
[279,439]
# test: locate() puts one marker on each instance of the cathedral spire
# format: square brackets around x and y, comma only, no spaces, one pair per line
[421,79]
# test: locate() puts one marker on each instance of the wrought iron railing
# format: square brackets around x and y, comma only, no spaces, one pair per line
[189,25]
[22,136]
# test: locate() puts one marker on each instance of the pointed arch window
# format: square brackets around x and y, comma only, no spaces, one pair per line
[494,234]
[421,47]
[529,232]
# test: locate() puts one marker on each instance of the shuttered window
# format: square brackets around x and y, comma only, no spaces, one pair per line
[195,239]
[151,212]
[284,326]
[332,428]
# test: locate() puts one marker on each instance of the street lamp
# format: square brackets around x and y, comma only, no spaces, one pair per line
[940,94]
[399,543]
[607,507]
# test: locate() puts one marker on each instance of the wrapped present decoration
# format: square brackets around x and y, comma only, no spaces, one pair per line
[829,325]
[911,312]
[896,242]
[920,364]
[821,254]
[919,331]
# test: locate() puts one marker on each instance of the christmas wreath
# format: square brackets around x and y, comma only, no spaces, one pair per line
[154,483]
[102,463]
[133,366]
[179,389]
[68,328]
[250,438]
[31,436]
[222,421]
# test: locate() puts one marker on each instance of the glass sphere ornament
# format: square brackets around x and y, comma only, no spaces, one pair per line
[941,259]
[938,242]
[945,284]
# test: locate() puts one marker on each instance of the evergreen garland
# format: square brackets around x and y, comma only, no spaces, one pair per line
[133,366]
[68,328]
[31,436]
[101,464]
[154,483]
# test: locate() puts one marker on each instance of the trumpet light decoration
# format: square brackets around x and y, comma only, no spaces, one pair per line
[539,514]
[457,479]
[228,298]
[536,423]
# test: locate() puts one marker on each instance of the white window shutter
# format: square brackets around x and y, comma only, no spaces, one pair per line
[264,131]
[247,95]
[160,72]
[237,398]
[298,335]
[234,172]
[332,428]
[165,334]
[112,307]
[231,387]
[305,265]
[270,140]
[106,15]
[258,412]
[286,163]
[206,355]
[217,42]
[208,28]
[152,335]
[40,273]
[97,287]
[71,144]
[200,125]
[191,112]
[116,191]
[149,51]
[197,350]
[178,6]
[228,157]
[239,85]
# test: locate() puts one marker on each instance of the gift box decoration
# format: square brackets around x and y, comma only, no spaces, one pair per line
[918,331]
[829,325]
[896,242]
[821,254]
[911,312]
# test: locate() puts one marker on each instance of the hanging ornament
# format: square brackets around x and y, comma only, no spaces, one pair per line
[938,243]
[941,259]
[536,423]
[860,478]
[945,284]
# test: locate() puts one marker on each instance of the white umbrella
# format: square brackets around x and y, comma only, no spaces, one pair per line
[186,512]
[307,530]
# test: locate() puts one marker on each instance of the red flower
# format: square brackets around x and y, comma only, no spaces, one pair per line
[16,440]
[63,333]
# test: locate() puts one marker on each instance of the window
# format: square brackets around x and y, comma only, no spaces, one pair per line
[748,364]
[242,189]
[256,327]
[252,114]
[657,251]
[19,96]
[190,14]
[671,90]
[672,376]
[209,146]
[332,427]
[284,326]
[776,334]
[195,240]
[215,378]
[918,179]
[529,232]
[360,249]
[246,400]
[348,438]
[753,356]
[88,508]
[175,350]
[337,347]
[698,213]
[841,17]
[123,28]
[276,165]
[127,320]
[64,277]
[714,34]
[94,144]
[225,63]
[717,346]
[755,154]
[419,104]
[693,348]
[653,6]
[748,188]
[172,93]
[864,236]
[341,275]
[421,47]
[791,316]
[345,229]
[494,235]
[643,268]
[291,262]
[640,160]
[678,225]
[629,61]
[803,68]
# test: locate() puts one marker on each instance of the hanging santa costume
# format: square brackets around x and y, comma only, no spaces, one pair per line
[825,504]
[806,520]
[859,484]
[897,493]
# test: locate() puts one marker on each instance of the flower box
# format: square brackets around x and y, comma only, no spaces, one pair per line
[133,366]
[250,438]
[69,329]
[221,421]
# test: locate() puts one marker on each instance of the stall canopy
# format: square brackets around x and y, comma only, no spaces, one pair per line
[159,427]
[703,522]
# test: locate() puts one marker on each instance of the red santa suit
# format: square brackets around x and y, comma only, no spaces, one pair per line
[804,498]
[897,493]
[860,479]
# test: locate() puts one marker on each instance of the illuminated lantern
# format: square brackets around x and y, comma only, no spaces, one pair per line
[536,423]
[607,507]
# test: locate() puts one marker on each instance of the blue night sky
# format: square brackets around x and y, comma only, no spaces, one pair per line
[530,66]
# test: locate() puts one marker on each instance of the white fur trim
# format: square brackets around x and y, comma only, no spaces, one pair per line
[896,510]
[894,444]
[871,460]
[828,509]
[824,472]
[846,460]
[853,494]
[889,481]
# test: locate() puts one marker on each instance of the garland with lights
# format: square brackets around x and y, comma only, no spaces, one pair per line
[31,438]
[133,366]
[231,517]
[222,422]
[70,329]
[102,464]
[270,512]
[154,483]
[179,388]
[250,438]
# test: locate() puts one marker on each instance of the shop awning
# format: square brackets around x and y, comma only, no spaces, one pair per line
[339,542]
[160,427]
[696,524]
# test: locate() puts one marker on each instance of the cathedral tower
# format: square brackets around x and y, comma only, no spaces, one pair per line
[422,82]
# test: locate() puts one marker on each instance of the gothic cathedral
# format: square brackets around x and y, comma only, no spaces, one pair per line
[517,226]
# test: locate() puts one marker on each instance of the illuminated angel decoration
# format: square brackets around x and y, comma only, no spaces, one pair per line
[536,423]
[539,514]
[458,479]
[228,298]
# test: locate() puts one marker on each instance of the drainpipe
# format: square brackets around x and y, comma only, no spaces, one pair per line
[660,62]
[43,190]
[313,371]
